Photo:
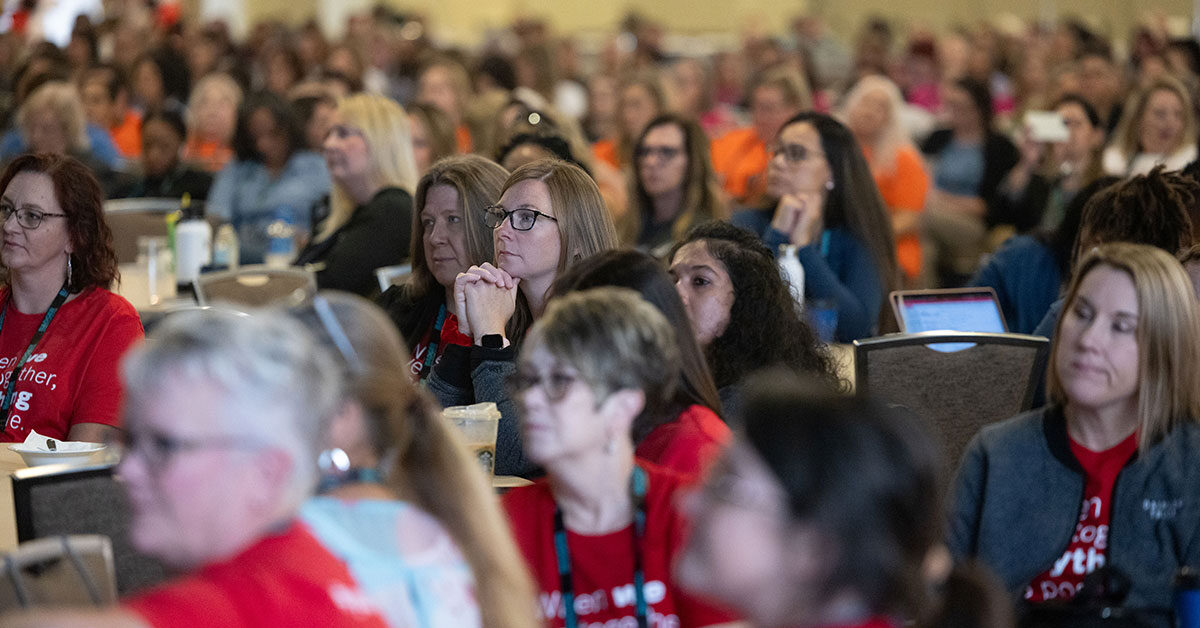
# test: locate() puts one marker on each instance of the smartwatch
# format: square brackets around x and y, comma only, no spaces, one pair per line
[492,341]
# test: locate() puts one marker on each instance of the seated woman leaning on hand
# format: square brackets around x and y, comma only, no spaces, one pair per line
[550,216]
[402,501]
[601,531]
[62,333]
[1121,433]
[829,214]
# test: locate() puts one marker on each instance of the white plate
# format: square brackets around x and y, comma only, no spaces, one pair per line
[33,457]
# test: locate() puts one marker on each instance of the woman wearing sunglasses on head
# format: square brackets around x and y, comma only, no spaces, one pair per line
[370,158]
[829,214]
[549,217]
[62,333]
[600,532]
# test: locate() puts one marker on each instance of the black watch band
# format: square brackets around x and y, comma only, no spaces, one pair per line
[492,341]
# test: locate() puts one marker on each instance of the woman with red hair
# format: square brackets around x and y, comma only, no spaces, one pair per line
[62,332]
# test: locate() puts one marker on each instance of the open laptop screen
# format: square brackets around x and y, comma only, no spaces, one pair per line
[973,309]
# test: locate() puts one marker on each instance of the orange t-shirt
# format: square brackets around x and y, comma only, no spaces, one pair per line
[740,160]
[904,188]
[210,155]
[606,151]
[462,139]
[128,135]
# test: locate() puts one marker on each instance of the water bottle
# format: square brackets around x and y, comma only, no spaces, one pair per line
[793,272]
[225,248]
[1187,598]
[281,240]
[193,243]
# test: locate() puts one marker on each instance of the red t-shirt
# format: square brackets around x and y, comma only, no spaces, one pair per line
[71,377]
[689,443]
[602,566]
[1089,544]
[284,580]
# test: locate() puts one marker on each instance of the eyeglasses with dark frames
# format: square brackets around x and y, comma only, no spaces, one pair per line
[26,217]
[556,384]
[157,449]
[792,153]
[663,153]
[521,218]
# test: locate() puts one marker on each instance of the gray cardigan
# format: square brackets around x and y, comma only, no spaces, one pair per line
[1018,492]
[468,375]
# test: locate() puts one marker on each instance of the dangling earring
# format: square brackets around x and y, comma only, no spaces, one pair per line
[69,272]
[829,185]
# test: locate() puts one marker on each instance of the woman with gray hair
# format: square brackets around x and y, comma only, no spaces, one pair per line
[599,533]
[222,411]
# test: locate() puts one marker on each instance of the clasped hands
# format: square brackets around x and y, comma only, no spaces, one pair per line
[485,298]
[800,215]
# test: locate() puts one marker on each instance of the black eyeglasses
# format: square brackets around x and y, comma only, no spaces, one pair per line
[663,153]
[556,384]
[792,153]
[27,218]
[157,448]
[521,219]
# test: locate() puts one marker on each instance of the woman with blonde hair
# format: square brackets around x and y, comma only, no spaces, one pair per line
[872,112]
[550,216]
[403,501]
[449,236]
[672,184]
[1120,432]
[1158,127]
[212,120]
[370,157]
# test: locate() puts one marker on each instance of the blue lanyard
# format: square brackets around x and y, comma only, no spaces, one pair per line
[637,489]
[825,244]
[6,406]
[431,352]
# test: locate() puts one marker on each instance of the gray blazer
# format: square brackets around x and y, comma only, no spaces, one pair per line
[1018,492]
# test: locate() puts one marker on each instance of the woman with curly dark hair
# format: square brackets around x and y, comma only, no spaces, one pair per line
[742,310]
[56,263]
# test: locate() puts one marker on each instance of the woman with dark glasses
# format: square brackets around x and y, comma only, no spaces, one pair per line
[62,333]
[600,532]
[828,213]
[550,216]
[672,185]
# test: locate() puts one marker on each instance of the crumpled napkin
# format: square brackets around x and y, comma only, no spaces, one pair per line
[38,442]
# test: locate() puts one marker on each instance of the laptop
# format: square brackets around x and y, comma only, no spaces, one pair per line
[953,309]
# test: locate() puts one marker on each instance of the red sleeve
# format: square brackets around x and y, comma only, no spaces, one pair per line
[180,603]
[99,398]
[451,335]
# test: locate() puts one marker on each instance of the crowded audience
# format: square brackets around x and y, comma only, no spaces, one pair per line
[606,237]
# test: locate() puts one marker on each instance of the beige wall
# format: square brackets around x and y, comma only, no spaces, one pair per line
[465,21]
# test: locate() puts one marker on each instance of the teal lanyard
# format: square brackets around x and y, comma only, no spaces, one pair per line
[431,352]
[637,489]
[61,298]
